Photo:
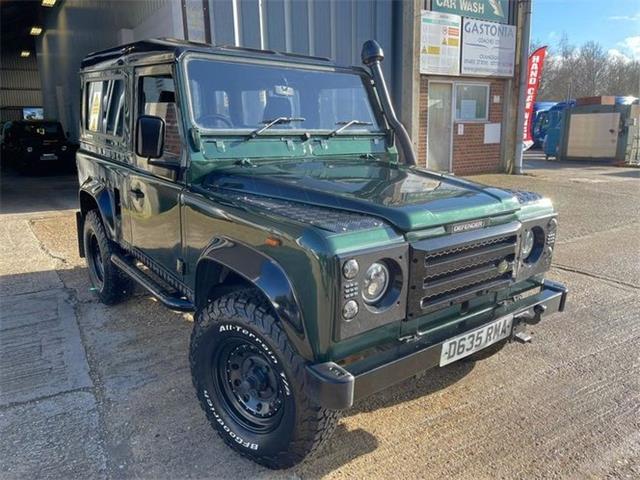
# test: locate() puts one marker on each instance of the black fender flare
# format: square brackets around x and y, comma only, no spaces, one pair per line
[103,198]
[267,276]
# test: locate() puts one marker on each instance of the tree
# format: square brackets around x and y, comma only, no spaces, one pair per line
[571,72]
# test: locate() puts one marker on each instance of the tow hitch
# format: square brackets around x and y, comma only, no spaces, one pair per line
[531,316]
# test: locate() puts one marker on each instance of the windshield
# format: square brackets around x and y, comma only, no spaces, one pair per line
[229,95]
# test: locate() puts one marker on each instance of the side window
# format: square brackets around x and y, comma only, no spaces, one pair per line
[95,95]
[157,96]
[105,107]
[115,110]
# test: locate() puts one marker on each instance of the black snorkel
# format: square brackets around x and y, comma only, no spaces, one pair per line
[372,56]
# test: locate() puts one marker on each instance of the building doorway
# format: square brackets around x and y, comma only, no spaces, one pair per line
[439,126]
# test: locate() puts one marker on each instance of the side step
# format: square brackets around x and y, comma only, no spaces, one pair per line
[155,289]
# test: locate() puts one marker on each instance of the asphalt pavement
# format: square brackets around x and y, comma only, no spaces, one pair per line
[88,391]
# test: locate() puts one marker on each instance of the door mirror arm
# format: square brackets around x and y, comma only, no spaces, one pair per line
[172,168]
[164,164]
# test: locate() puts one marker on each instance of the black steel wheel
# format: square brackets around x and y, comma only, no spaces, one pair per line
[249,380]
[109,283]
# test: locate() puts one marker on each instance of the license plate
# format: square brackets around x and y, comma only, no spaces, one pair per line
[48,156]
[475,340]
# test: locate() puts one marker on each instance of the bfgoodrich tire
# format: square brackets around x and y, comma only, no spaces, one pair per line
[109,283]
[250,380]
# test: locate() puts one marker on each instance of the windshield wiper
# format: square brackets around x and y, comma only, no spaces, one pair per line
[346,125]
[277,121]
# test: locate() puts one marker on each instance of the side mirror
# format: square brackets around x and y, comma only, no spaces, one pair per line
[149,136]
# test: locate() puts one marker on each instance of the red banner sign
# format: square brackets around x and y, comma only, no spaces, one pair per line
[534,74]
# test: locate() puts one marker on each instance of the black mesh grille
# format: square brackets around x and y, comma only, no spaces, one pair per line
[444,275]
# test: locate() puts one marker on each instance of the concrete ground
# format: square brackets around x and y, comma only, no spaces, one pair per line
[88,391]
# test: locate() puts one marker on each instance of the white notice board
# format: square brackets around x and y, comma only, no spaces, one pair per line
[440,43]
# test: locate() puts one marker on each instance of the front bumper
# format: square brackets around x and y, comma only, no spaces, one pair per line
[336,388]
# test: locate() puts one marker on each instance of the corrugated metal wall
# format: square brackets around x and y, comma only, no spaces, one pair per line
[331,28]
[79,27]
[327,28]
[19,86]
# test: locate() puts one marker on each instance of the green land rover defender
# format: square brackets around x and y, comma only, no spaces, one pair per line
[277,197]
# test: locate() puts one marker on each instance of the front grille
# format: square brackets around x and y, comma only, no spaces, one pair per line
[449,270]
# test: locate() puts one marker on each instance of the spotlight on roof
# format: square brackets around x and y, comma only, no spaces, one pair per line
[48,3]
[35,30]
[25,53]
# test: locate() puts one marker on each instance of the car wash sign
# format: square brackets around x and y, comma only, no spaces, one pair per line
[492,10]
[488,49]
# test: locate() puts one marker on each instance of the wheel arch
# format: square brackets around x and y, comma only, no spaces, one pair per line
[94,195]
[227,265]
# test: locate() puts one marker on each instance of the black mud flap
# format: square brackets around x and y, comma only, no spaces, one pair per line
[80,229]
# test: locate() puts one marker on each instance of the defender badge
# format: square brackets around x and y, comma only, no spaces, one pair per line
[466,226]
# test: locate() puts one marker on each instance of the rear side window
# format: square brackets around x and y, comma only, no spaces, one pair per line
[95,92]
[105,107]
[115,109]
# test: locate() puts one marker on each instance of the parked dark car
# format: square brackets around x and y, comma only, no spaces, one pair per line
[33,146]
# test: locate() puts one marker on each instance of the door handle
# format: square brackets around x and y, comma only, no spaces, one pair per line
[137,193]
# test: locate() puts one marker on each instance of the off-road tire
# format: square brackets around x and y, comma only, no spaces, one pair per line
[303,427]
[115,285]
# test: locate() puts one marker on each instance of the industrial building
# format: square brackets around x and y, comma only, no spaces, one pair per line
[453,67]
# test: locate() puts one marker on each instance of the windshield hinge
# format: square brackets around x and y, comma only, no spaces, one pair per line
[220,145]
[196,142]
[290,145]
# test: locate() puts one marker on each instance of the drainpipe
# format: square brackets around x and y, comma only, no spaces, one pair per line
[525,5]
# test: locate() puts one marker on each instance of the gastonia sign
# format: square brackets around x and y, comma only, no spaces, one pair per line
[492,10]
[488,49]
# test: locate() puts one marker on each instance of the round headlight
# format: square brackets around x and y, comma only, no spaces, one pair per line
[350,310]
[376,281]
[29,149]
[350,269]
[527,244]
